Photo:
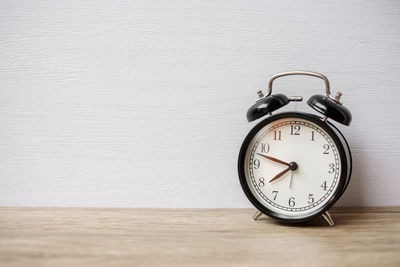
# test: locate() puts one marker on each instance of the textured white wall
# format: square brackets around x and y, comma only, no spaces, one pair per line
[142,103]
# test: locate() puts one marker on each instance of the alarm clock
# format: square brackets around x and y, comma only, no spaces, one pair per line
[294,166]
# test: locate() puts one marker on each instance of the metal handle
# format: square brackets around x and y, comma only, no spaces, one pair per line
[307,73]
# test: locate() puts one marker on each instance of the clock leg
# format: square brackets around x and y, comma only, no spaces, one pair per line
[257,215]
[328,218]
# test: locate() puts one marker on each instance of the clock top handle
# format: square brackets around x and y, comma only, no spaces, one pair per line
[306,73]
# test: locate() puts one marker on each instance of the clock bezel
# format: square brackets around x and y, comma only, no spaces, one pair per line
[344,177]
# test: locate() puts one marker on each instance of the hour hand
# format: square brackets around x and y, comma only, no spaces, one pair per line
[274,159]
[279,175]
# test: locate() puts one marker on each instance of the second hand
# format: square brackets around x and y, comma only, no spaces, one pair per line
[291,179]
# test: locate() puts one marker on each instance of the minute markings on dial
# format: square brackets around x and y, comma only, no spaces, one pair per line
[313,135]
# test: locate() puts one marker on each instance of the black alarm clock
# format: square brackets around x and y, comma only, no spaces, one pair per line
[294,166]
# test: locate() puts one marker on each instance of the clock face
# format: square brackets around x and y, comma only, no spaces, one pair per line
[292,166]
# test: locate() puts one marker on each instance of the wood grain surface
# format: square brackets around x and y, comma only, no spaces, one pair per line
[195,237]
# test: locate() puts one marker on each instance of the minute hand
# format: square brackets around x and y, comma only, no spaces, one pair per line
[274,159]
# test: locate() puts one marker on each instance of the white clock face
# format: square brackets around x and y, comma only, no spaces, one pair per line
[292,166]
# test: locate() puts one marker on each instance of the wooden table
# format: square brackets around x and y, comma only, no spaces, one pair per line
[195,237]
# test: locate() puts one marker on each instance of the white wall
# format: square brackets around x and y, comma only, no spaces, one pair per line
[142,103]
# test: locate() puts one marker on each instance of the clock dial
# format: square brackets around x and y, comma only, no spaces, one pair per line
[292,166]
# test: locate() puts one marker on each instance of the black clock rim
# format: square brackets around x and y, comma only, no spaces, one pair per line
[341,150]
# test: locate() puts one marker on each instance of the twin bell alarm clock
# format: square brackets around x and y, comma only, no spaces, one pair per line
[294,166]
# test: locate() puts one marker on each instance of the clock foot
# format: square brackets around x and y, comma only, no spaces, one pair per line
[257,215]
[328,218]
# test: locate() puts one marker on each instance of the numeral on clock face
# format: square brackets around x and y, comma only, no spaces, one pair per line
[264,148]
[291,202]
[331,167]
[256,164]
[277,135]
[326,148]
[310,199]
[275,193]
[294,130]
[324,186]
